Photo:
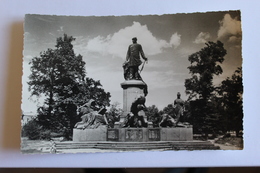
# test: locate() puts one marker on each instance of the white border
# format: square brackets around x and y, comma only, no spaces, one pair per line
[12,14]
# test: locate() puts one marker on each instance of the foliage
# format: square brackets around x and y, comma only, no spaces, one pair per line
[113,115]
[153,115]
[231,91]
[60,76]
[205,64]
[34,131]
[92,89]
[169,110]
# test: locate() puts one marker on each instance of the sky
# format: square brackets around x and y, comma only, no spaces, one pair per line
[167,41]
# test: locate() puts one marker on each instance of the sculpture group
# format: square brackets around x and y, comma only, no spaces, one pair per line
[168,120]
[91,119]
[135,118]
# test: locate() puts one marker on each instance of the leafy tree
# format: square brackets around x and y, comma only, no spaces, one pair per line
[231,91]
[205,64]
[59,75]
[169,110]
[92,89]
[56,73]
[152,113]
[113,114]
[186,113]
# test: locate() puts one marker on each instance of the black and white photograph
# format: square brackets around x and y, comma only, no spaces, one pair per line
[128,83]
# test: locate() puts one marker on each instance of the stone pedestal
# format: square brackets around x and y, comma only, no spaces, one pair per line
[177,134]
[133,134]
[131,90]
[150,134]
[99,134]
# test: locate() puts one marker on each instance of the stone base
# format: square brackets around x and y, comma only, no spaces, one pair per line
[133,134]
[131,90]
[99,134]
[176,134]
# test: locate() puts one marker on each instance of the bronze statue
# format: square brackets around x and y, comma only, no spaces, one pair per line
[167,121]
[100,119]
[85,111]
[178,108]
[90,119]
[134,119]
[173,120]
[133,61]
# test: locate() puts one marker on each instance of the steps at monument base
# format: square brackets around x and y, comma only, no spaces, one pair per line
[133,146]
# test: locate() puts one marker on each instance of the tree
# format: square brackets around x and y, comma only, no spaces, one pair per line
[153,115]
[169,109]
[205,64]
[114,113]
[34,131]
[231,91]
[60,76]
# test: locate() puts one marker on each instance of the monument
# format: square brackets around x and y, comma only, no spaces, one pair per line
[133,125]
[134,88]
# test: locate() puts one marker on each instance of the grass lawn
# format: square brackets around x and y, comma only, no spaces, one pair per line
[34,146]
[230,143]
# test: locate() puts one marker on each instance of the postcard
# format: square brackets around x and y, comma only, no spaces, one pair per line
[132,83]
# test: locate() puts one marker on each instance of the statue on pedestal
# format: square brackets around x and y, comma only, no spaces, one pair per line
[133,61]
[135,89]
[178,108]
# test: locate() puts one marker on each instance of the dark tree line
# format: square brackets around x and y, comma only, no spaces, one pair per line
[231,91]
[204,65]
[214,109]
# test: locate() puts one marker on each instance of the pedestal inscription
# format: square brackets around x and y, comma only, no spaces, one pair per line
[112,134]
[154,134]
[133,135]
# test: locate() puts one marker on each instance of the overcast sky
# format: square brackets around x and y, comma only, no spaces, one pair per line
[167,41]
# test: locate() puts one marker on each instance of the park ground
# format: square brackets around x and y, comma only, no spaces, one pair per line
[229,143]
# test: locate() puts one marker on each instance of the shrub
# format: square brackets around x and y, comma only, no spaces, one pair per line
[45,134]
[34,131]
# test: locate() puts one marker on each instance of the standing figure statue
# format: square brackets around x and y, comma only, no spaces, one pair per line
[172,119]
[178,108]
[133,61]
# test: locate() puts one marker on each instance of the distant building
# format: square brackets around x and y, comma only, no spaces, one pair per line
[27,116]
